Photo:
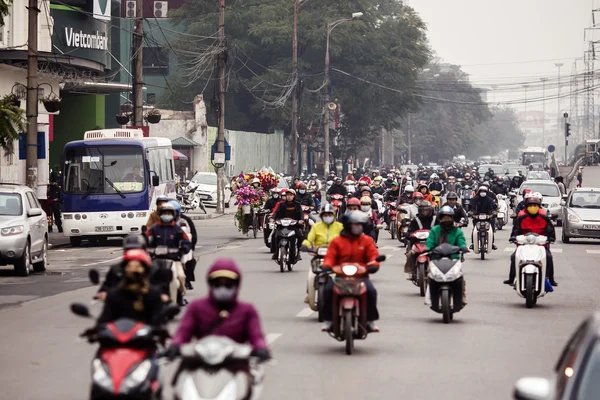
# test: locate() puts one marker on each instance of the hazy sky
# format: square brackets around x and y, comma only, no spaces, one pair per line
[512,42]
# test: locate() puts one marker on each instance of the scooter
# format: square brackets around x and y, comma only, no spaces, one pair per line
[125,366]
[466,195]
[191,199]
[422,263]
[404,223]
[308,218]
[393,218]
[502,217]
[217,367]
[317,280]
[481,235]
[445,291]
[530,261]
[161,259]
[287,243]
[337,201]
[350,186]
[350,303]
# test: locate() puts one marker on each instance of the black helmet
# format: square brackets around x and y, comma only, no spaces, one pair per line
[134,241]
[327,208]
[354,217]
[161,199]
[425,205]
[452,196]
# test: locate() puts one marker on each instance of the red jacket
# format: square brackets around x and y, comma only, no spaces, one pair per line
[366,179]
[348,248]
[539,224]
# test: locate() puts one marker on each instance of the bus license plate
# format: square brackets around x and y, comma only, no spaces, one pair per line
[594,227]
[105,228]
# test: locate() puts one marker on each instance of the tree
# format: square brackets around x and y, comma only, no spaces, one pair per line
[4,10]
[11,122]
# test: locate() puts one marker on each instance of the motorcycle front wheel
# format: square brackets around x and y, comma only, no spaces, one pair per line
[446,312]
[282,257]
[393,229]
[348,332]
[422,279]
[482,249]
[529,293]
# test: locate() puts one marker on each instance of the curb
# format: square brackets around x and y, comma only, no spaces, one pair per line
[201,217]
[58,246]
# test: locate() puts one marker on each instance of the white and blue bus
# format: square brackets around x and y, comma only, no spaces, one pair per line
[111,180]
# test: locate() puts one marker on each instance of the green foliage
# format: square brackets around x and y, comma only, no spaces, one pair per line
[12,122]
[4,10]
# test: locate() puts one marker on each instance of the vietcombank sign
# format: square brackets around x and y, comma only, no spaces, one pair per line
[84,40]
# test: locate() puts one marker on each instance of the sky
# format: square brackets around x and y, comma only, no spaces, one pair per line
[509,43]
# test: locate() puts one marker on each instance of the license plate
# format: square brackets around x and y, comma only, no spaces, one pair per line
[594,227]
[104,228]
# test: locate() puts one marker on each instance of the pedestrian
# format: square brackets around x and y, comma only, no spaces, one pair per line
[53,195]
[579,176]
[561,185]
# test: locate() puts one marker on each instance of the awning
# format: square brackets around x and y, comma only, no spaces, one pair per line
[96,87]
[179,156]
[182,141]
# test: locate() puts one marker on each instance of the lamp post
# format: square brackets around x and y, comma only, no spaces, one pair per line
[330,27]
[543,111]
[558,65]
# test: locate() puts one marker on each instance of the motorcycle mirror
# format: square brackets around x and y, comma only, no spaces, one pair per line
[94,276]
[144,229]
[80,309]
[372,269]
[381,258]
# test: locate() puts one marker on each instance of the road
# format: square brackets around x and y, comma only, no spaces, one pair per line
[492,342]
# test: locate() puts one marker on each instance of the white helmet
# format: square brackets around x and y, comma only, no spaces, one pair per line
[533,197]
[409,188]
[434,176]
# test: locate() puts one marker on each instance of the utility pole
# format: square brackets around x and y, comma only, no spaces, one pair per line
[221,128]
[326,108]
[543,111]
[409,141]
[294,134]
[32,95]
[138,39]
[558,124]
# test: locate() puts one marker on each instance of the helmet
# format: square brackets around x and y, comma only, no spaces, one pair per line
[137,255]
[355,217]
[167,207]
[365,189]
[407,188]
[390,176]
[301,185]
[482,188]
[313,175]
[422,185]
[394,183]
[467,175]
[452,196]
[434,176]
[526,191]
[446,210]
[276,190]
[161,199]
[134,241]
[353,202]
[418,196]
[365,200]
[531,198]
[362,183]
[378,179]
[486,183]
[292,191]
[327,208]
[338,179]
[425,205]
[177,208]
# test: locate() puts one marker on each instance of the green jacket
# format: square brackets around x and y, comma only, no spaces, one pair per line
[456,237]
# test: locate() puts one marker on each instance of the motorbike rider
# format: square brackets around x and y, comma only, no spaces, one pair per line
[221,313]
[389,180]
[425,219]
[366,192]
[451,186]
[314,187]
[352,246]
[269,206]
[498,186]
[337,188]
[460,215]
[407,195]
[133,297]
[533,220]
[517,180]
[154,217]
[482,204]
[425,191]
[446,232]
[371,224]
[392,196]
[521,206]
[365,178]
[289,208]
[467,180]
[188,260]
[378,186]
[489,175]
[436,184]
[303,197]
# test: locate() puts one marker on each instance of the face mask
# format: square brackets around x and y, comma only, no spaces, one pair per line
[356,230]
[447,225]
[275,196]
[483,194]
[223,293]
[301,191]
[328,220]
[533,210]
[166,218]
[365,208]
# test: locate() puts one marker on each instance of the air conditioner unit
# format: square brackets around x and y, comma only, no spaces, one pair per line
[161,9]
[130,9]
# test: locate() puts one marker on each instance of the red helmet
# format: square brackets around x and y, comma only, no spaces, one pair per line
[353,202]
[418,195]
[526,191]
[137,255]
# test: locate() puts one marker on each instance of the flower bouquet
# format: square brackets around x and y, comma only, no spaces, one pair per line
[268,180]
[246,197]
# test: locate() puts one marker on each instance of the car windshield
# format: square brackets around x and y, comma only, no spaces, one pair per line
[513,170]
[104,170]
[546,190]
[541,175]
[484,169]
[205,179]
[589,384]
[10,204]
[585,200]
[282,184]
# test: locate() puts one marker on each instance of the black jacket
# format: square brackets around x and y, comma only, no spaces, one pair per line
[287,210]
[115,274]
[305,199]
[378,189]
[459,213]
[427,223]
[270,204]
[338,189]
[119,304]
[391,195]
[483,205]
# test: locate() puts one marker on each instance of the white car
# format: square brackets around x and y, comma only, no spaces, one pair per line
[23,230]
[551,196]
[207,186]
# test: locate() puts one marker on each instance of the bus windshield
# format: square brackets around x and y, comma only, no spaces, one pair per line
[534,158]
[104,170]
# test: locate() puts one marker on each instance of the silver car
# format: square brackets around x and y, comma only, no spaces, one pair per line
[581,214]
[23,230]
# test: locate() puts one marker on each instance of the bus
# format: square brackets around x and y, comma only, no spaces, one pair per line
[111,180]
[537,156]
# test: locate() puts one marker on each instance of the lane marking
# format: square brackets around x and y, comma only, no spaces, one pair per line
[101,262]
[305,313]
[388,256]
[511,249]
[271,337]
[593,251]
[76,280]
[556,250]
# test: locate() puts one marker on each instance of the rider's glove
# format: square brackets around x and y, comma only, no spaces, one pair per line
[512,239]
[261,354]
[172,352]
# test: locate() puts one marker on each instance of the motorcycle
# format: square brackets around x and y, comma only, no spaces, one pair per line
[422,263]
[337,201]
[436,195]
[445,291]
[190,199]
[287,243]
[350,303]
[161,259]
[308,218]
[350,186]
[378,199]
[502,217]
[125,366]
[404,223]
[217,367]
[481,235]
[393,218]
[530,260]
[317,280]
[466,195]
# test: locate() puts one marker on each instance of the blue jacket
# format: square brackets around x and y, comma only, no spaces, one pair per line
[170,235]
[520,207]
[483,205]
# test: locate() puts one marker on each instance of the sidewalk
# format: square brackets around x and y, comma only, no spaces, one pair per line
[210,213]
[57,240]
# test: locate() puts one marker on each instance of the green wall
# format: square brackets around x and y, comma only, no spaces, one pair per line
[77,115]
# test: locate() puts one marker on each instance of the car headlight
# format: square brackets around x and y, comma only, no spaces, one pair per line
[573,218]
[137,376]
[12,230]
[100,377]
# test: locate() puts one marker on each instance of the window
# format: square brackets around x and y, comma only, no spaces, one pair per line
[585,200]
[568,357]
[156,61]
[31,200]
[10,204]
[546,190]
[589,384]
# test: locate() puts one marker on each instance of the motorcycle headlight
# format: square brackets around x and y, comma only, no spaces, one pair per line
[454,273]
[435,273]
[100,377]
[349,270]
[137,376]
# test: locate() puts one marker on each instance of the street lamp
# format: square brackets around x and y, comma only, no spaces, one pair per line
[330,27]
[558,65]
[543,111]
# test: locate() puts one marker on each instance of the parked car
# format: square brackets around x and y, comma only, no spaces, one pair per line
[207,185]
[575,374]
[552,198]
[581,214]
[538,175]
[23,230]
